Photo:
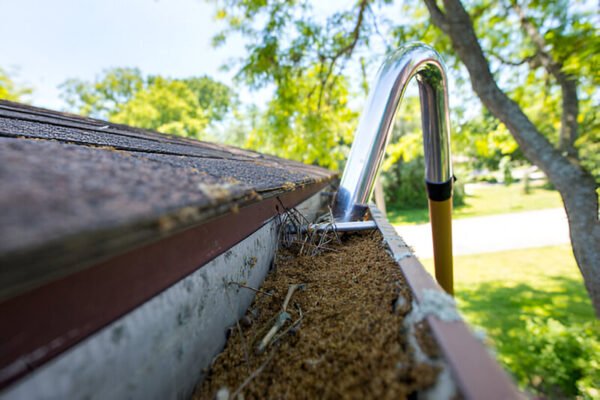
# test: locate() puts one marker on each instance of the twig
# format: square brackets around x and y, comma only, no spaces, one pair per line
[289,328]
[291,290]
[253,375]
[303,243]
[332,219]
[292,326]
[250,287]
[282,318]
[313,363]
[322,247]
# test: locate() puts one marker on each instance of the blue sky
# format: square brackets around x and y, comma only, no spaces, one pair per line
[46,42]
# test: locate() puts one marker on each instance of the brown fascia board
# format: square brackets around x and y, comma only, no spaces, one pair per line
[476,373]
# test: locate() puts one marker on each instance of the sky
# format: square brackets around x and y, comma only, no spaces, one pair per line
[44,43]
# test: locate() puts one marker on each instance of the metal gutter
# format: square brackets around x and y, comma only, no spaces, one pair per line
[476,373]
[41,324]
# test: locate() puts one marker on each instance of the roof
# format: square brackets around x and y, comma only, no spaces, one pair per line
[76,190]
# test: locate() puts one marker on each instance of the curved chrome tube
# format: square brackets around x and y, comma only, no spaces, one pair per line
[376,122]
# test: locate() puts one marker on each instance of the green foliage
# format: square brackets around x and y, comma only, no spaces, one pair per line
[214,98]
[404,185]
[560,360]
[588,143]
[570,35]
[403,170]
[290,42]
[484,142]
[300,125]
[308,118]
[287,37]
[165,106]
[9,90]
[106,95]
[184,107]
[535,310]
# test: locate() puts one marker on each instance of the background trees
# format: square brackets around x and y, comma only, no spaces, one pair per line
[184,107]
[10,90]
[303,124]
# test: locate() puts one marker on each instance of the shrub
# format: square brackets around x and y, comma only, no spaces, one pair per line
[559,360]
[404,185]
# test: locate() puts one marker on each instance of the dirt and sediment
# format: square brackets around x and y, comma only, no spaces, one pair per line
[342,336]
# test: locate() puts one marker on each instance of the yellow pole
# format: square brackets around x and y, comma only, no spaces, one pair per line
[440,215]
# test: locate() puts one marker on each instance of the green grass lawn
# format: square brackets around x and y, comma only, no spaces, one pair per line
[486,200]
[537,315]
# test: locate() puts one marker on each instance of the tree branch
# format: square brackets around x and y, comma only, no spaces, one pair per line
[437,16]
[377,31]
[346,50]
[568,84]
[526,60]
[456,23]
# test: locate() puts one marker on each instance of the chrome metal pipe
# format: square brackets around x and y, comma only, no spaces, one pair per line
[354,226]
[372,136]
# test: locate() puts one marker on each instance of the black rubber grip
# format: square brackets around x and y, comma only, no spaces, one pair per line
[440,191]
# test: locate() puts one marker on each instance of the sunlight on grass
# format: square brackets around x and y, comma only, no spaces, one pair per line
[487,200]
[555,286]
[500,199]
[531,302]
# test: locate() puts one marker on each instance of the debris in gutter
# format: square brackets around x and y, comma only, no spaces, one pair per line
[281,319]
[343,336]
[291,290]
[242,285]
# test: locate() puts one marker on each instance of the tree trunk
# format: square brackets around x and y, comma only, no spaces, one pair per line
[576,186]
[568,84]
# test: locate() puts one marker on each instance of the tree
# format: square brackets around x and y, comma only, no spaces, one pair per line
[9,90]
[184,107]
[165,106]
[103,97]
[533,67]
[301,125]
[215,98]
[576,185]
